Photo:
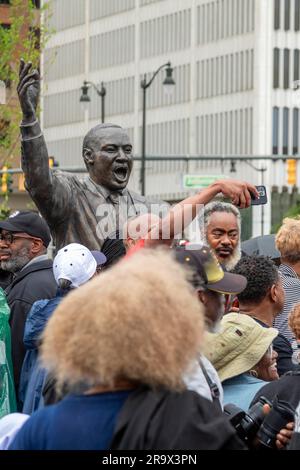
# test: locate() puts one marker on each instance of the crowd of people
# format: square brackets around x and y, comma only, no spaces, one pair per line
[149,351]
[129,339]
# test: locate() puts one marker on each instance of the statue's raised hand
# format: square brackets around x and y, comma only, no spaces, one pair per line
[28,90]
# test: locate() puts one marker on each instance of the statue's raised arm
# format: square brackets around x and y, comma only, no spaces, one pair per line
[35,162]
[28,91]
[34,151]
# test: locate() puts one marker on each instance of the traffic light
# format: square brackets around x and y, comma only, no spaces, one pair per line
[292,171]
[21,182]
[6,181]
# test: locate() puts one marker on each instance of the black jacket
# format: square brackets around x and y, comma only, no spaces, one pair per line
[163,420]
[33,283]
[287,388]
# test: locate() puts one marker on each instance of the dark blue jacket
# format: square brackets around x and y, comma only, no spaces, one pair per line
[33,375]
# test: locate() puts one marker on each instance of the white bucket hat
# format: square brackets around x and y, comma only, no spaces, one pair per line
[75,263]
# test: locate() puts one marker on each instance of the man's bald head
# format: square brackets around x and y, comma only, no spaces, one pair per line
[138,227]
[92,138]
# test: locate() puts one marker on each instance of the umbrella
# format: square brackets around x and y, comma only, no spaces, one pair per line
[263,245]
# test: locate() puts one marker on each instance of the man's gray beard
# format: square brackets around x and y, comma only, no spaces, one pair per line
[18,262]
[232,261]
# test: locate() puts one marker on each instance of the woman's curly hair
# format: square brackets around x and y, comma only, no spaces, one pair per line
[288,240]
[139,321]
[294,321]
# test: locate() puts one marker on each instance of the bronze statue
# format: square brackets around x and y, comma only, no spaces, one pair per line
[77,211]
[88,211]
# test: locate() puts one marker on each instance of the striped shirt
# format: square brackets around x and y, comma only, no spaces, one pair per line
[291,285]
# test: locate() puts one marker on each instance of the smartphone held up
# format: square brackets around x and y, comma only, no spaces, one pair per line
[262,199]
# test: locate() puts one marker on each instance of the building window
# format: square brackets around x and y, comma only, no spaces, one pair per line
[297,15]
[276,68]
[277,14]
[295,130]
[275,130]
[296,64]
[286,69]
[287,14]
[285,136]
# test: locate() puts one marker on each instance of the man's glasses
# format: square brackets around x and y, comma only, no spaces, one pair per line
[9,238]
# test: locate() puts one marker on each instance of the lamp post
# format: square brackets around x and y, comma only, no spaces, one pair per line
[168,82]
[84,98]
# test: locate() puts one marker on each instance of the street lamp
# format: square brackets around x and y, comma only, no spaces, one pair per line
[168,84]
[100,92]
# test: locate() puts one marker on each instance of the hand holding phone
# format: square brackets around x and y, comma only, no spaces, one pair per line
[262,199]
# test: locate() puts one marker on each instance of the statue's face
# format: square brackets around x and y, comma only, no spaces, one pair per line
[112,163]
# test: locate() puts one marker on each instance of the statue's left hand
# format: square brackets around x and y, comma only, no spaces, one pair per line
[28,90]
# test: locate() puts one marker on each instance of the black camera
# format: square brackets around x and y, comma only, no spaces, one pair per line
[247,423]
[255,423]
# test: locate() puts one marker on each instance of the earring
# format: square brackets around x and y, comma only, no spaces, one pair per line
[253,373]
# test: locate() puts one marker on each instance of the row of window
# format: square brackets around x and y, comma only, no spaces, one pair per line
[165,34]
[69,13]
[64,61]
[147,2]
[230,133]
[112,48]
[117,47]
[287,15]
[100,9]
[217,19]
[65,14]
[168,138]
[65,108]
[285,139]
[106,50]
[285,67]
[221,19]
[227,74]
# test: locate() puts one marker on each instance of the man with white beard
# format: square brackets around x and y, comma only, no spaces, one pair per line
[24,237]
[220,227]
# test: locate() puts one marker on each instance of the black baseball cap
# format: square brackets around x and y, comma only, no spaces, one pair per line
[206,271]
[28,222]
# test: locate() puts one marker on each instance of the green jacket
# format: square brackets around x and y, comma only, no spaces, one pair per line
[7,390]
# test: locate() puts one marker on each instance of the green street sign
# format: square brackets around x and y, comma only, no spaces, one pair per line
[200,181]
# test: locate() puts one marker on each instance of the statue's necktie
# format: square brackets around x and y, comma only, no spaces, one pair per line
[114,198]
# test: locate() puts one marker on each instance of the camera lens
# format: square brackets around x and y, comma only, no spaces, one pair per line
[253,418]
[281,413]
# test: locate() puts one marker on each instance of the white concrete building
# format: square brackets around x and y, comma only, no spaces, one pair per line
[234,62]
